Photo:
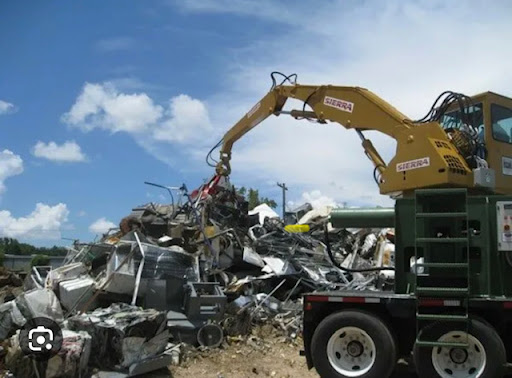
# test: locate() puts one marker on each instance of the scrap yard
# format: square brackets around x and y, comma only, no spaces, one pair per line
[255,189]
[204,285]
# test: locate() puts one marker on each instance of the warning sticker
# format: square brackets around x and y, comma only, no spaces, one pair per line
[253,110]
[413,164]
[506,165]
[506,237]
[339,104]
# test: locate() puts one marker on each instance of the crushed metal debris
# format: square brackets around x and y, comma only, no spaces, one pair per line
[197,273]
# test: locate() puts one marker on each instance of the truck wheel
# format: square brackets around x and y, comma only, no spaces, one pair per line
[484,358]
[353,343]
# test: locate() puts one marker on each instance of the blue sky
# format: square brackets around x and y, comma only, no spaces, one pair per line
[97,97]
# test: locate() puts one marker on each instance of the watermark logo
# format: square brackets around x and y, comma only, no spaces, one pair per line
[40,338]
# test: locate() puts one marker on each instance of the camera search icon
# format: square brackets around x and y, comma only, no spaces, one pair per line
[40,338]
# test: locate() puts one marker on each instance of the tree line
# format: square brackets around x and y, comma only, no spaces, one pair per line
[10,246]
[253,197]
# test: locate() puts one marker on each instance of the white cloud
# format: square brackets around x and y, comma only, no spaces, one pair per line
[393,49]
[10,165]
[318,200]
[103,106]
[101,226]
[115,44]
[45,222]
[7,107]
[187,119]
[69,151]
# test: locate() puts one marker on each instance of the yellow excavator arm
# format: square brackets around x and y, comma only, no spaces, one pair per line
[425,156]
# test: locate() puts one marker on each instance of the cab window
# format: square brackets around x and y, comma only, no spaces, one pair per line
[501,118]
[474,115]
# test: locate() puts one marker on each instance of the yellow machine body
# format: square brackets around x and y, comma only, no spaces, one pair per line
[426,156]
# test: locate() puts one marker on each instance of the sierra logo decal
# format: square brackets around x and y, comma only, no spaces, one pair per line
[339,104]
[413,164]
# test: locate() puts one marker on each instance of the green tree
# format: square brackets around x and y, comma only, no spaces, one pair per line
[253,197]
[242,191]
[14,247]
[27,249]
[39,259]
[2,256]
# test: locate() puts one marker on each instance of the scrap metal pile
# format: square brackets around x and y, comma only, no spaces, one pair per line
[190,273]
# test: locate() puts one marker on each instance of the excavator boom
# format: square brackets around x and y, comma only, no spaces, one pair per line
[330,103]
[327,101]
[426,155]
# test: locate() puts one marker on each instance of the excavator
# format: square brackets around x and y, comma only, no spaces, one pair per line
[451,176]
[444,149]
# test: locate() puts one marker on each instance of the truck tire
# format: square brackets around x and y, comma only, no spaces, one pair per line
[485,357]
[353,343]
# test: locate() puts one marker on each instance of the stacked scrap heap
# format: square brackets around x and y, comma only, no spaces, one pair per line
[190,272]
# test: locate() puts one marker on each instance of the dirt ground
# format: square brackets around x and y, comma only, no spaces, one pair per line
[280,360]
[262,355]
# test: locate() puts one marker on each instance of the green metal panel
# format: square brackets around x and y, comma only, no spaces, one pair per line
[480,246]
[499,271]
[489,271]
[374,217]
[442,239]
[404,245]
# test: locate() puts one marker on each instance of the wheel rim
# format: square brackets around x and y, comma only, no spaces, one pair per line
[351,352]
[452,362]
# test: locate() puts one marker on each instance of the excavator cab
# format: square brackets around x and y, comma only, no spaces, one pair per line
[491,115]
